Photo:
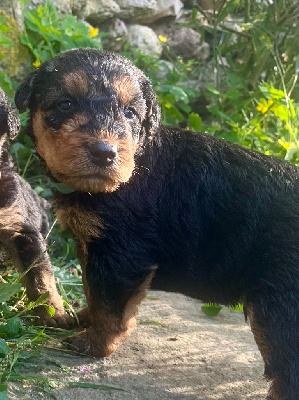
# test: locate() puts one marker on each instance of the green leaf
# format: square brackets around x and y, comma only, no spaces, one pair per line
[4,349]
[271,93]
[290,153]
[4,41]
[42,298]
[50,310]
[6,84]
[281,112]
[7,290]
[3,391]
[213,89]
[218,113]
[72,26]
[230,136]
[238,307]
[11,329]
[172,112]
[211,310]
[228,8]
[194,13]
[195,122]
[177,92]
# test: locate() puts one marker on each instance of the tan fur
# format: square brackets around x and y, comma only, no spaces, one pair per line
[125,89]
[84,224]
[76,83]
[41,282]
[11,220]
[258,335]
[67,155]
[107,331]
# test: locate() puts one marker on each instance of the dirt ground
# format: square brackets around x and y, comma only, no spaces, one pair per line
[176,353]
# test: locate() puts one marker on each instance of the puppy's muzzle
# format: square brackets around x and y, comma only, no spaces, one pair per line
[103,154]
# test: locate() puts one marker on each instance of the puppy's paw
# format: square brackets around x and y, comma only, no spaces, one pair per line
[61,319]
[84,318]
[89,343]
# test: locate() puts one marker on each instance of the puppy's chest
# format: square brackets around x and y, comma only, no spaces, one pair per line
[85,225]
[99,217]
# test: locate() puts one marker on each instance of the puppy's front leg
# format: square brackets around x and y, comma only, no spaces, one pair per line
[28,249]
[111,318]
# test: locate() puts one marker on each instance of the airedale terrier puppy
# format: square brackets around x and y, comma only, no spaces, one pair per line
[24,225]
[162,207]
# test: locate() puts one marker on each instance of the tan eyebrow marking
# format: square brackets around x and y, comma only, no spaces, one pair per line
[76,83]
[125,88]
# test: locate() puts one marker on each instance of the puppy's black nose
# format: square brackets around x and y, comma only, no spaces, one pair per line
[103,154]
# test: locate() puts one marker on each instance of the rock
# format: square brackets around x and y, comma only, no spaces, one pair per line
[186,42]
[141,11]
[15,58]
[117,35]
[95,11]
[168,8]
[62,6]
[145,40]
[149,11]
[13,9]
[137,10]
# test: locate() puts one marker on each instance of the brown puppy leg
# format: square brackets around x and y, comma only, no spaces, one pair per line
[107,331]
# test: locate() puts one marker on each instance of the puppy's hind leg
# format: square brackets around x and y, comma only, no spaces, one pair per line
[273,312]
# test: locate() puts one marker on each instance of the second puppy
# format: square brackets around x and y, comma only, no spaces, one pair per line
[24,226]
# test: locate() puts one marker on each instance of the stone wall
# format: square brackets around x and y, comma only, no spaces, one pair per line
[140,22]
[160,28]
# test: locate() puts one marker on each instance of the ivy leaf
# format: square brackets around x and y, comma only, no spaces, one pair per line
[4,349]
[211,309]
[11,329]
[7,290]
[194,122]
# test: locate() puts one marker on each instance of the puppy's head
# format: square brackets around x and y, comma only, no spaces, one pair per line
[9,122]
[90,114]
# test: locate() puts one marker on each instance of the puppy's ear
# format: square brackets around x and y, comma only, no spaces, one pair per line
[153,117]
[9,122]
[24,92]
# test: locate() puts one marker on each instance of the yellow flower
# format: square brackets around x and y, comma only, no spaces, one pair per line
[36,64]
[263,107]
[92,31]
[162,38]
[285,145]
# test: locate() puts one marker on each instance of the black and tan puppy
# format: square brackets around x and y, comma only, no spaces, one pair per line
[24,225]
[155,206]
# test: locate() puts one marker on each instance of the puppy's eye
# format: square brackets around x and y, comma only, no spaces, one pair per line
[130,113]
[64,105]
